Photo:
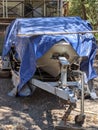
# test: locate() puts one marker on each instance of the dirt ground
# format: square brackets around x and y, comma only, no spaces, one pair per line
[42,111]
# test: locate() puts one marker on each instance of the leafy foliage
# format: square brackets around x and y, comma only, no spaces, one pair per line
[87,9]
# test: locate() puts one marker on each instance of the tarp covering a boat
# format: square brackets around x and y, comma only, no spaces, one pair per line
[31,41]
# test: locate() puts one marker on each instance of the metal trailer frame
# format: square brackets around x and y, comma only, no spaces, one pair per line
[60,88]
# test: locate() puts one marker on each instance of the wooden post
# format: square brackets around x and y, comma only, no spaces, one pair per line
[44,8]
[3,9]
[6,9]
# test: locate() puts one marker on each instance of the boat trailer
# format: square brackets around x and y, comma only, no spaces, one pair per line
[61,87]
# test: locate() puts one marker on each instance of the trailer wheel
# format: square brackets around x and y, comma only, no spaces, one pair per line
[5,73]
[79,120]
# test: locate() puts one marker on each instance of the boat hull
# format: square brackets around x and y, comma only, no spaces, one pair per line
[50,62]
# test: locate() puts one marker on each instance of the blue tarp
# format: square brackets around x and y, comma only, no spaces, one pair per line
[30,48]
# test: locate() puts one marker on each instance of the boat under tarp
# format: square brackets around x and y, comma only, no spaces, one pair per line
[32,38]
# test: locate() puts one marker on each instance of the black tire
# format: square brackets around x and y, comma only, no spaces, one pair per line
[79,120]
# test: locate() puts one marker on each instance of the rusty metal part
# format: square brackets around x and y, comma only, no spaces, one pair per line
[70,108]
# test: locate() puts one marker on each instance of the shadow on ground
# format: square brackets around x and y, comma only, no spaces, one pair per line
[32,113]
